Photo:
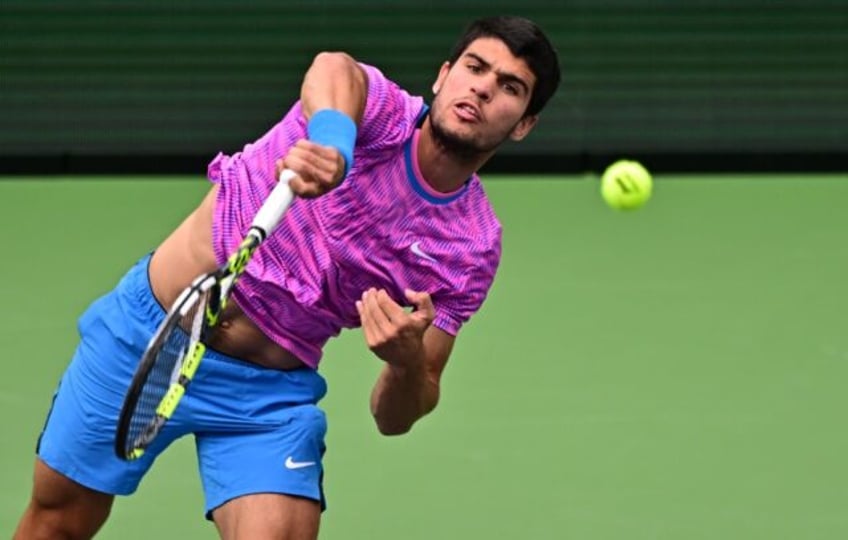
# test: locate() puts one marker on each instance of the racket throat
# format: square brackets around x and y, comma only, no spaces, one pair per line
[236,265]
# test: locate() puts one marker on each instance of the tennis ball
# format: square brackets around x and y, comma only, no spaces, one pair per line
[626,185]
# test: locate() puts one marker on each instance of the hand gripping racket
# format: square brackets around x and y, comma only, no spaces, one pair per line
[176,348]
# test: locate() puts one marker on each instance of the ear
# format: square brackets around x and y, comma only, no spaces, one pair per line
[523,127]
[443,73]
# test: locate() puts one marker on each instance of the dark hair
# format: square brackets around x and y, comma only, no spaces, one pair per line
[526,41]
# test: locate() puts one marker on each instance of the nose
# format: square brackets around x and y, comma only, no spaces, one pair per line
[482,89]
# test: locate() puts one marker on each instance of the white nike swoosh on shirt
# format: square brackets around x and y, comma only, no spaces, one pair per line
[292,464]
[416,248]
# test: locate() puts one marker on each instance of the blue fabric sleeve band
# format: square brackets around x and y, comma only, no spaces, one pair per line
[330,127]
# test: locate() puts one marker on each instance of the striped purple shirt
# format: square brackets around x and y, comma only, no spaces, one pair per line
[383,227]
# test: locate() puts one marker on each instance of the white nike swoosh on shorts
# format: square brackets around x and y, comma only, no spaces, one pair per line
[292,464]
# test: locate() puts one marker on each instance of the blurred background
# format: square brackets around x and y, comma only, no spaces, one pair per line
[674,372]
[93,86]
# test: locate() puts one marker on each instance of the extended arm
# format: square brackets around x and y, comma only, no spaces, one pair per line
[334,81]
[332,96]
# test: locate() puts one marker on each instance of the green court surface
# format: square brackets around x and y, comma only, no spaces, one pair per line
[673,373]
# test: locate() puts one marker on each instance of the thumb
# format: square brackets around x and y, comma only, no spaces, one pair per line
[424,309]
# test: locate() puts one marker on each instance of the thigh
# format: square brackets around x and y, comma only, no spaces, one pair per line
[283,457]
[62,508]
[53,490]
[268,515]
[78,439]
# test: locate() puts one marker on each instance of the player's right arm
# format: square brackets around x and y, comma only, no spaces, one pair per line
[332,96]
[334,81]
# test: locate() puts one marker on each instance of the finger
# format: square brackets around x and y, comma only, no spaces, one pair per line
[325,153]
[302,188]
[297,184]
[381,326]
[424,309]
[393,311]
[314,165]
[321,158]
[365,321]
[326,161]
[300,184]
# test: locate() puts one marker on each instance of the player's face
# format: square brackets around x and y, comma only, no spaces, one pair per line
[481,99]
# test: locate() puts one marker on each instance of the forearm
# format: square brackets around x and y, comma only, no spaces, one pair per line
[334,81]
[402,396]
[414,352]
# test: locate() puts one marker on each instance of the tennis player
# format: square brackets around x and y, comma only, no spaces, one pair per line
[391,215]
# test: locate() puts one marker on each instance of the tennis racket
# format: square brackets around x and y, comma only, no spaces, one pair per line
[176,348]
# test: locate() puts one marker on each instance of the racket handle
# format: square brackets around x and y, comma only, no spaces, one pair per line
[275,205]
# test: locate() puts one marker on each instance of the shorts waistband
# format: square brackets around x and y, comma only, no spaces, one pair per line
[135,286]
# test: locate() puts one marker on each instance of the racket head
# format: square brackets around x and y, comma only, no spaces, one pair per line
[174,353]
[166,368]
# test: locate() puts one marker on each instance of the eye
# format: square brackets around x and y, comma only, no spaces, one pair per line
[474,68]
[511,88]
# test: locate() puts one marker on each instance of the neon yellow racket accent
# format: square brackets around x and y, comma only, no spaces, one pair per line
[192,360]
[169,402]
[177,340]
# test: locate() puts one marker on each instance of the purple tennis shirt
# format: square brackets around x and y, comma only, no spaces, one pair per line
[383,227]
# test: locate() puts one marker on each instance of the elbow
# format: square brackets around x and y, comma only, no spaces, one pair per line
[392,425]
[333,60]
[339,68]
[335,80]
[393,429]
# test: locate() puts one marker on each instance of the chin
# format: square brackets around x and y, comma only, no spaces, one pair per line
[460,138]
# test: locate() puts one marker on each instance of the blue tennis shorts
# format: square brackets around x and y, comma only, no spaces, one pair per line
[257,430]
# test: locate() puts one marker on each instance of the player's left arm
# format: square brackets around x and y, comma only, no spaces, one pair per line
[415,354]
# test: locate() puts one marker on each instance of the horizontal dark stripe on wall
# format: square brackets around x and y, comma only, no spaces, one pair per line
[509,164]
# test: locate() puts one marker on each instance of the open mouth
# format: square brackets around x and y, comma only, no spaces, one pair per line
[466,111]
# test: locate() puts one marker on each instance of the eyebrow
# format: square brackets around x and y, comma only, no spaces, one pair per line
[502,75]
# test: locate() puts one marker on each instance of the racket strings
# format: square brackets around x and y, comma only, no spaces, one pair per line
[173,356]
[170,353]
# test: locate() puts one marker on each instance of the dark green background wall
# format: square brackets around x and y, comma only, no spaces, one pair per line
[692,79]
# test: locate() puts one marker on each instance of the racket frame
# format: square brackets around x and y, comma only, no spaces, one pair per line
[219,285]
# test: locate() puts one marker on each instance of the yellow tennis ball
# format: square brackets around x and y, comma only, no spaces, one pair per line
[626,185]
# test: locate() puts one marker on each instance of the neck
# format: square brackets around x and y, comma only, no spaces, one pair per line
[443,170]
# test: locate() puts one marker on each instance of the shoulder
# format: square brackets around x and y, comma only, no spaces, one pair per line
[473,258]
[390,113]
[476,233]
[378,81]
[483,235]
[484,221]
